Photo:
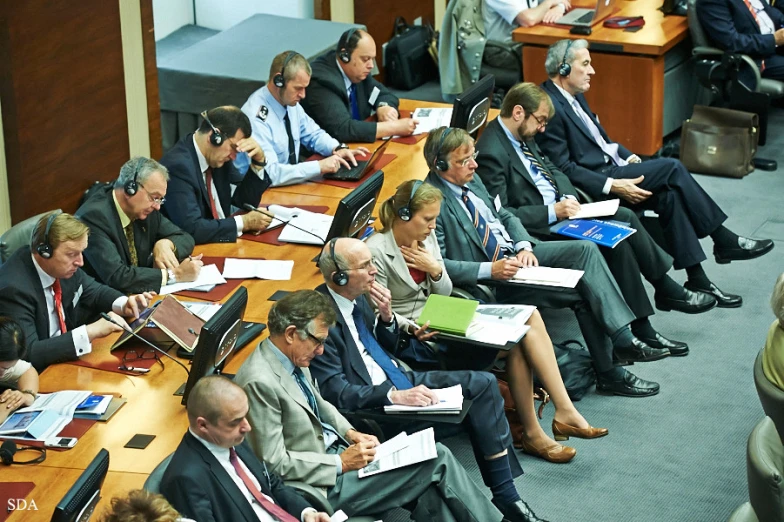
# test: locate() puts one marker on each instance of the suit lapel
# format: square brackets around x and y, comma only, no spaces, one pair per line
[457,209]
[567,109]
[118,229]
[354,358]
[197,169]
[41,318]
[517,163]
[395,258]
[286,380]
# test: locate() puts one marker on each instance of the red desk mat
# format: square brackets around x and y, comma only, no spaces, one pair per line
[76,428]
[270,237]
[111,361]
[380,163]
[13,491]
[220,291]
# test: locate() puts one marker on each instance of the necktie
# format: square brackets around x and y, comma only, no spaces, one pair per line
[398,378]
[597,136]
[208,182]
[352,99]
[754,15]
[271,508]
[131,244]
[491,245]
[538,168]
[58,305]
[300,378]
[292,152]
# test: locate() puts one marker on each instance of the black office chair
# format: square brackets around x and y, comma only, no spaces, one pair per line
[17,236]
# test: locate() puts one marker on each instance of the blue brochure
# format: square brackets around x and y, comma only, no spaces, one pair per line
[603,233]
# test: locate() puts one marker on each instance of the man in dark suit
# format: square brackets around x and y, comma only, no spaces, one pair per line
[504,246]
[214,474]
[342,93]
[133,247]
[749,27]
[527,184]
[577,144]
[44,289]
[201,169]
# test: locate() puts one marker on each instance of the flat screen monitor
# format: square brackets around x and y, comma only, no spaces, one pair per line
[79,503]
[217,340]
[355,209]
[470,109]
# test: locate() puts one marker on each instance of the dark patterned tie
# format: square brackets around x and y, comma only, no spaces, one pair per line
[352,98]
[131,244]
[378,354]
[292,152]
[538,168]
[491,245]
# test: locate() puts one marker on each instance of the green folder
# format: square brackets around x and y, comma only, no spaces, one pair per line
[448,314]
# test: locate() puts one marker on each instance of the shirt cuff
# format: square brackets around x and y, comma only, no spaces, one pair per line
[164,276]
[81,341]
[524,245]
[308,510]
[240,225]
[118,306]
[389,395]
[607,186]
[485,270]
[339,465]
[551,218]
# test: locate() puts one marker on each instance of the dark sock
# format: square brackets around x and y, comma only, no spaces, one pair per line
[613,374]
[724,237]
[498,476]
[697,276]
[667,287]
[622,337]
[643,328]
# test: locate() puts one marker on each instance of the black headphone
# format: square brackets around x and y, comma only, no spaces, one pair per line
[279,80]
[343,51]
[216,138]
[8,449]
[441,164]
[404,212]
[565,69]
[44,248]
[340,277]
[132,185]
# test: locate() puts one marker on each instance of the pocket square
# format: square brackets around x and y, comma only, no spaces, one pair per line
[77,295]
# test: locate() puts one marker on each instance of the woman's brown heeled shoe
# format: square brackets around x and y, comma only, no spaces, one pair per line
[563,431]
[556,453]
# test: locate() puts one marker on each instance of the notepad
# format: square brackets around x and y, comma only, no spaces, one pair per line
[548,276]
[597,209]
[257,268]
[448,314]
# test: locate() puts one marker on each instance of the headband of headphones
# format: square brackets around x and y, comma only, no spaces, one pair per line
[216,138]
[44,248]
[344,53]
[340,276]
[438,163]
[404,212]
[279,80]
[565,68]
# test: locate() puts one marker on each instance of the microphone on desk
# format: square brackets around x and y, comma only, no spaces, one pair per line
[251,208]
[107,317]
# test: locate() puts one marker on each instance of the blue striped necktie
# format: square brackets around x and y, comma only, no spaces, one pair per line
[486,236]
[539,169]
[395,374]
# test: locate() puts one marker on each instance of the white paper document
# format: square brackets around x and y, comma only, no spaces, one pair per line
[431,118]
[257,268]
[450,401]
[203,311]
[499,324]
[548,276]
[598,209]
[282,214]
[311,229]
[419,447]
[208,276]
[47,416]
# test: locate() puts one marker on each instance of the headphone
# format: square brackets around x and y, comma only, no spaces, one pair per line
[8,449]
[279,80]
[44,248]
[565,68]
[404,212]
[343,52]
[132,185]
[340,277]
[216,138]
[441,164]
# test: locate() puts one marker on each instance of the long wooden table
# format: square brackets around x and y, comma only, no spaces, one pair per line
[628,89]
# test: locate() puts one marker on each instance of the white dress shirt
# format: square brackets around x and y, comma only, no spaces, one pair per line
[213,192]
[499,17]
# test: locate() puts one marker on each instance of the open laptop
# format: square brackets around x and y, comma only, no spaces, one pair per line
[588,17]
[362,168]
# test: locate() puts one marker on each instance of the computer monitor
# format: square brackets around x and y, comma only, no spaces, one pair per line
[470,109]
[79,503]
[217,340]
[355,209]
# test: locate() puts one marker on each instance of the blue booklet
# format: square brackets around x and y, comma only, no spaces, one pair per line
[603,233]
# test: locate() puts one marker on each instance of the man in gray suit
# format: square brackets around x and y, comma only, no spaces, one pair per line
[504,247]
[303,437]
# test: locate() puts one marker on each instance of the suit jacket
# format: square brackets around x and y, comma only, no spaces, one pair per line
[457,237]
[505,176]
[569,144]
[286,434]
[327,101]
[107,257]
[731,26]
[22,298]
[198,486]
[188,202]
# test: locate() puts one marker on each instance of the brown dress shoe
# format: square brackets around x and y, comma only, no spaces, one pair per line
[556,453]
[563,431]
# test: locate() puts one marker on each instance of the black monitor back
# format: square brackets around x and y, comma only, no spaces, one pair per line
[80,501]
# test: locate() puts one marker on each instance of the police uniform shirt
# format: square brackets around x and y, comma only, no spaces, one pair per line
[499,17]
[266,116]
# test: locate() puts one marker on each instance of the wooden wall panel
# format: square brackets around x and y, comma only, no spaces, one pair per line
[151,77]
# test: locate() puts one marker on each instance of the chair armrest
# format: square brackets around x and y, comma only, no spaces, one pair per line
[485,294]
[706,50]
[312,495]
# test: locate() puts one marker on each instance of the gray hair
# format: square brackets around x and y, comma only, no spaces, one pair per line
[331,263]
[777,300]
[300,309]
[142,168]
[560,52]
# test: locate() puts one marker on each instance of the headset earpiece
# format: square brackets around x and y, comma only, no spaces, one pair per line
[216,138]
[131,186]
[340,277]
[343,52]
[404,212]
[441,164]
[565,69]
[279,80]
[44,248]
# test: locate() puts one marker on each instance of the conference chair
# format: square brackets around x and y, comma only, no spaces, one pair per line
[771,397]
[17,236]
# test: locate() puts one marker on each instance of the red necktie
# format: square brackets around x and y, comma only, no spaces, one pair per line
[58,305]
[273,509]
[208,181]
[754,15]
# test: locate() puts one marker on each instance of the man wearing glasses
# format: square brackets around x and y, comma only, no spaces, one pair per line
[133,247]
[202,173]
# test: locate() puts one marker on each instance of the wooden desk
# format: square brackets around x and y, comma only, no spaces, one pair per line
[627,91]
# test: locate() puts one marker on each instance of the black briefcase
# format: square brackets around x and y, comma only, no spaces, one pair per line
[408,60]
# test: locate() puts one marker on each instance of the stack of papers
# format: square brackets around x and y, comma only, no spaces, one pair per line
[402,450]
[547,276]
[203,311]
[282,215]
[431,118]
[499,324]
[450,401]
[209,276]
[598,209]
[307,228]
[257,268]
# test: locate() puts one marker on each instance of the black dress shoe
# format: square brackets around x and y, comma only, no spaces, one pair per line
[638,351]
[676,348]
[746,248]
[518,512]
[724,300]
[691,303]
[629,386]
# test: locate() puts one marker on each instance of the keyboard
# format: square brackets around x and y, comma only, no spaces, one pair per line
[586,18]
[352,174]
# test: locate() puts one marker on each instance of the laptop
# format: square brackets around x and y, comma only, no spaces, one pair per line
[362,168]
[588,17]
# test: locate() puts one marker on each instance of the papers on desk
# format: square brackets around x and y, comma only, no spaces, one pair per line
[403,450]
[257,268]
[598,209]
[282,214]
[209,276]
[431,118]
[307,228]
[450,401]
[548,276]
[499,324]
[203,311]
[47,416]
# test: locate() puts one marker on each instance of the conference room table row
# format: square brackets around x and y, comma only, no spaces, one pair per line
[152,408]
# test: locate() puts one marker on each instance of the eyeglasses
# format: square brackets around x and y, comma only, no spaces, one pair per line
[541,122]
[364,266]
[153,200]
[465,162]
[319,342]
[133,355]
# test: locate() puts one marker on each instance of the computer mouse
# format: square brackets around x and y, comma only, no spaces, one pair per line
[581,29]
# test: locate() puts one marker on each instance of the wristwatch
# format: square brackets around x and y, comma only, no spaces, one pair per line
[382,104]
[170,279]
[259,163]
[342,146]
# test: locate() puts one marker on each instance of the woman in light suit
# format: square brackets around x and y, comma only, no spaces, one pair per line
[773,351]
[409,264]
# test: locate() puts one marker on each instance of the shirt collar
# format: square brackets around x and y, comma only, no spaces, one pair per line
[346,306]
[46,279]
[566,94]
[203,165]
[455,189]
[346,81]
[509,135]
[285,361]
[275,106]
[124,219]
[219,452]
